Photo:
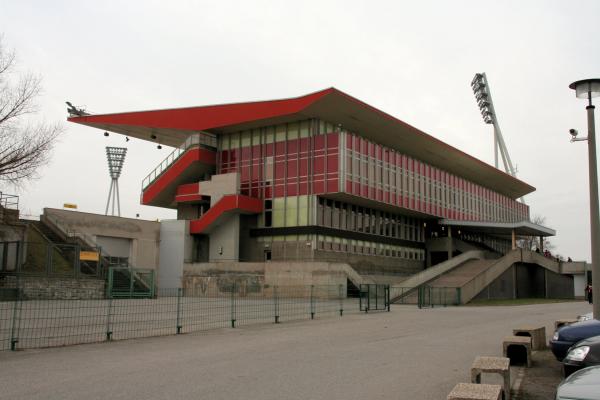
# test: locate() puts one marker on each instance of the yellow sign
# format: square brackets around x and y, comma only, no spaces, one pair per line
[89,256]
[69,205]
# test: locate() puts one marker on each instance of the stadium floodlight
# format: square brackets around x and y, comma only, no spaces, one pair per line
[115,157]
[483,96]
[588,89]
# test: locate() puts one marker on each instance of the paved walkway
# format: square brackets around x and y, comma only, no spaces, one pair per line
[405,354]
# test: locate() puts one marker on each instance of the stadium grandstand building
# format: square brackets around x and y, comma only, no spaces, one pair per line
[321,178]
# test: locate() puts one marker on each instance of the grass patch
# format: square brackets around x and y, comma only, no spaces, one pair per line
[516,302]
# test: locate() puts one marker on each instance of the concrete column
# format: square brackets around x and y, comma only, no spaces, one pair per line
[514,239]
[450,243]
[542,244]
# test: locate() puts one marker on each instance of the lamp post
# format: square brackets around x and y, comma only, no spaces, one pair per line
[589,88]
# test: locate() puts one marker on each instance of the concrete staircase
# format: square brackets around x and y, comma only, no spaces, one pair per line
[469,273]
[462,274]
[408,286]
[475,275]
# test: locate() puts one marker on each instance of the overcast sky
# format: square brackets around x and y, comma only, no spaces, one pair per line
[414,60]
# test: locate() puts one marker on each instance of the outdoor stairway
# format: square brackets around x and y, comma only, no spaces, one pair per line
[462,274]
[467,274]
[48,233]
[228,204]
[408,286]
[474,276]
[195,158]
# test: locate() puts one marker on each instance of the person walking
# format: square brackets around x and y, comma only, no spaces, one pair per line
[588,293]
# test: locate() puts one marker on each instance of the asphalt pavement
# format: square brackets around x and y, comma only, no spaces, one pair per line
[404,354]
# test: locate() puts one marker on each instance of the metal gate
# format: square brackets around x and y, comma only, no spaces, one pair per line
[130,283]
[374,297]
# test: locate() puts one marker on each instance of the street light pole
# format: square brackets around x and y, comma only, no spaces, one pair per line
[594,217]
[587,89]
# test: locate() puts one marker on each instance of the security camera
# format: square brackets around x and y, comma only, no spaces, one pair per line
[573,132]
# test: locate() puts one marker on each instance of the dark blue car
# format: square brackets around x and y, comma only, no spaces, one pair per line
[567,336]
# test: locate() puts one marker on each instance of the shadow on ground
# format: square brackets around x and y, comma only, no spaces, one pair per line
[540,381]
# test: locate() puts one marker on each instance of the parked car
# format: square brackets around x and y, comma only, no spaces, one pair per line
[583,384]
[582,354]
[567,336]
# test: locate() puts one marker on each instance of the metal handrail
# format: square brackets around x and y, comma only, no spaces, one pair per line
[9,201]
[198,139]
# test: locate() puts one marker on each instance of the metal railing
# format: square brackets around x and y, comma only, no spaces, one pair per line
[127,282]
[41,258]
[9,201]
[429,296]
[32,319]
[198,139]
[425,296]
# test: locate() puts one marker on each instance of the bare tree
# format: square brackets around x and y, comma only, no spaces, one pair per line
[25,145]
[533,242]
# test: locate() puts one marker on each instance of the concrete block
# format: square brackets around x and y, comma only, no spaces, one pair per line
[472,391]
[536,333]
[499,365]
[518,341]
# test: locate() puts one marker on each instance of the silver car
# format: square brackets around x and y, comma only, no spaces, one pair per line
[581,385]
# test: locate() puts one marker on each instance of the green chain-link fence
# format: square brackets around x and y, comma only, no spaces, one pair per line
[34,319]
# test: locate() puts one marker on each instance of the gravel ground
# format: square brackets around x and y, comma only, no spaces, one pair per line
[405,354]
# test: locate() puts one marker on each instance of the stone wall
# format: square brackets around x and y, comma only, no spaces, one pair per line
[43,288]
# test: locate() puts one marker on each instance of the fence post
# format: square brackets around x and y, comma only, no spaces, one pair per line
[419,295]
[276,304]
[312,310]
[108,321]
[49,249]
[77,260]
[387,297]
[341,294]
[131,281]
[179,292]
[14,332]
[360,305]
[431,302]
[233,305]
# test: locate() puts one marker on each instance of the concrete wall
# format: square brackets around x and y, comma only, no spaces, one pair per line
[270,273]
[144,235]
[42,288]
[559,286]
[224,242]
[372,264]
[250,248]
[502,287]
[220,185]
[579,282]
[12,233]
[175,249]
[530,281]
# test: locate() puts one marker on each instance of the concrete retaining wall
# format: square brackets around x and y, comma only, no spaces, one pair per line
[42,288]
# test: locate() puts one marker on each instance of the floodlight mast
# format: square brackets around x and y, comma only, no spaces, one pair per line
[115,157]
[483,95]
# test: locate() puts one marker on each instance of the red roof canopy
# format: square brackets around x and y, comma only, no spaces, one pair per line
[172,126]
